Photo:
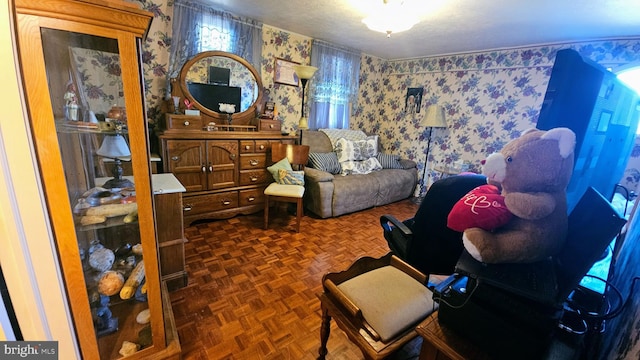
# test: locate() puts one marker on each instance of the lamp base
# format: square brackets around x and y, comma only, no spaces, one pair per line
[303,124]
[118,184]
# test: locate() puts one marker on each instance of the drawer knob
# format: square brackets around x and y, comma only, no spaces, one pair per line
[175,158]
[210,168]
[226,202]
[186,123]
[271,126]
[254,178]
[247,147]
[251,199]
[254,162]
[204,169]
[261,147]
[187,207]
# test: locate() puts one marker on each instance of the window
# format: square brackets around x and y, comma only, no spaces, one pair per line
[334,89]
[631,78]
[213,38]
[198,27]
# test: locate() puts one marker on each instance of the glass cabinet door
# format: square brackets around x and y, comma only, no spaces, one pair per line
[83,86]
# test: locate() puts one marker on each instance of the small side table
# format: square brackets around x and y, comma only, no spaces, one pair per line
[440,343]
[446,171]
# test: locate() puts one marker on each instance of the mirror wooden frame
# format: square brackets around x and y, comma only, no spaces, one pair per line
[241,118]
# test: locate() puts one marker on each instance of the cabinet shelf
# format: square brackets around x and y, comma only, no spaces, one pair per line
[81,127]
[115,221]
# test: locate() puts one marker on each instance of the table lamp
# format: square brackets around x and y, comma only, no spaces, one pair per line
[305,73]
[115,147]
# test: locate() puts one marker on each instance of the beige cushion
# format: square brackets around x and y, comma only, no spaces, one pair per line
[391,301]
[275,189]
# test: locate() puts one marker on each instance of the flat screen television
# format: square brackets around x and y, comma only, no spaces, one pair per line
[603,112]
[211,96]
[219,76]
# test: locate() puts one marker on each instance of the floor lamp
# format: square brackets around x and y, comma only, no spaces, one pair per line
[434,118]
[305,73]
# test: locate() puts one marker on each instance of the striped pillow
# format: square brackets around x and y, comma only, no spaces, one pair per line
[389,161]
[290,177]
[325,161]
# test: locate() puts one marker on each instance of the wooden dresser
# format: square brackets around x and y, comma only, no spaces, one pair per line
[224,172]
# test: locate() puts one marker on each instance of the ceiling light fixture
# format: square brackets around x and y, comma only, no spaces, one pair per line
[392,17]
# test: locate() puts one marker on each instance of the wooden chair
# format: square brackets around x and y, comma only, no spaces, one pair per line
[377,303]
[298,156]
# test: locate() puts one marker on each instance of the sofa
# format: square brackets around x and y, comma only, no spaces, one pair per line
[330,193]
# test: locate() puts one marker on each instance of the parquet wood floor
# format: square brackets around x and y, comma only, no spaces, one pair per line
[252,292]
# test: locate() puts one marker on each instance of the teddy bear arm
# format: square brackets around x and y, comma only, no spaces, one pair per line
[530,206]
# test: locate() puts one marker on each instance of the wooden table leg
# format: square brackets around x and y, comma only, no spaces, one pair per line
[325,329]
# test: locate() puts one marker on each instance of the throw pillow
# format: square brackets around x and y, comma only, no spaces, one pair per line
[325,161]
[356,150]
[482,207]
[290,177]
[388,161]
[360,167]
[282,164]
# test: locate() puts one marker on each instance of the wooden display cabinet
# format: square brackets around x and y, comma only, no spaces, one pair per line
[105,238]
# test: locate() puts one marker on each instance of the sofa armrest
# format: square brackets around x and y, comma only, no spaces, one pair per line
[317,175]
[408,164]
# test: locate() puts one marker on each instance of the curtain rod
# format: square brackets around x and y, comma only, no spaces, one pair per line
[336,47]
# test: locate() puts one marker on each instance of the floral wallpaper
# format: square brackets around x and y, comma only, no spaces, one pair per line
[288,99]
[98,73]
[490,98]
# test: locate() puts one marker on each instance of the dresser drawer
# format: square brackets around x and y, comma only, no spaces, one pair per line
[247,146]
[184,123]
[253,161]
[201,204]
[258,176]
[270,125]
[262,146]
[252,196]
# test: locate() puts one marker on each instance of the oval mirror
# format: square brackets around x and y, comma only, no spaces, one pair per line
[212,78]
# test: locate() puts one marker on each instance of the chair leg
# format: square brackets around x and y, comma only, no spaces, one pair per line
[266,212]
[325,329]
[299,214]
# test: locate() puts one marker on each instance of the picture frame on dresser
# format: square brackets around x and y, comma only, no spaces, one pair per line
[284,73]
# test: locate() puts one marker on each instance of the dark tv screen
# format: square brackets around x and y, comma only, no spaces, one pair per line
[219,76]
[211,96]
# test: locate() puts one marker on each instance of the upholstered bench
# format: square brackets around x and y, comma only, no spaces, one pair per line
[377,303]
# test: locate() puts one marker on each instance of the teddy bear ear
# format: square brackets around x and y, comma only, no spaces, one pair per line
[566,139]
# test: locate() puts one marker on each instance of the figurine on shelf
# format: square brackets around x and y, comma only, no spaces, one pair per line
[103,319]
[71,108]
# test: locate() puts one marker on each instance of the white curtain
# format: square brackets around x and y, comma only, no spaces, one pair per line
[198,27]
[333,91]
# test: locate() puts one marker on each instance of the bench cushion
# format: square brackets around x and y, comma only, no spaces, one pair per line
[390,300]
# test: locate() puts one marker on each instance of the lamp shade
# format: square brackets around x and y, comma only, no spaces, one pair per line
[434,117]
[114,146]
[305,71]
